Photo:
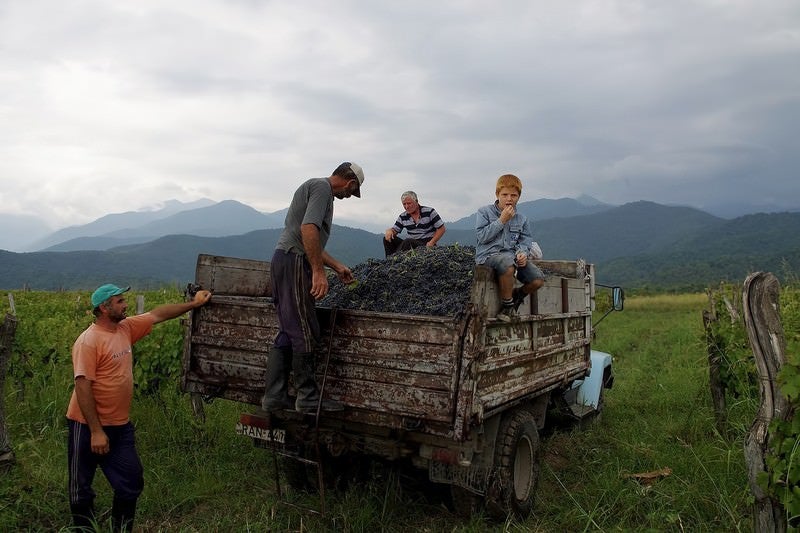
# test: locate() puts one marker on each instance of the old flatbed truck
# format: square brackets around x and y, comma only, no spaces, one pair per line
[462,398]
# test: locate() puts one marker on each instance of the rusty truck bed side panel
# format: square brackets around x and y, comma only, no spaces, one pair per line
[401,365]
[387,373]
[226,348]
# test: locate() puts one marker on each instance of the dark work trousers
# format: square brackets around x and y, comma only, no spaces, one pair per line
[401,245]
[121,465]
[291,293]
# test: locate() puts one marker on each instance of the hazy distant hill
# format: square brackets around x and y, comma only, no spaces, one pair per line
[17,231]
[218,220]
[728,251]
[544,208]
[116,221]
[170,259]
[29,233]
[642,244]
[740,209]
[224,218]
[630,229]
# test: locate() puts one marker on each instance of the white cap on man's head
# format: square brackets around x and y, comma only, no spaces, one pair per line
[360,176]
[348,171]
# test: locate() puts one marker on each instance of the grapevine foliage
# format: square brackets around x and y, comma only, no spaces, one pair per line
[782,479]
[49,323]
[432,281]
[157,357]
[46,329]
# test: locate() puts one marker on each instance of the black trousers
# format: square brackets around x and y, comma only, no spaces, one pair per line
[121,465]
[400,245]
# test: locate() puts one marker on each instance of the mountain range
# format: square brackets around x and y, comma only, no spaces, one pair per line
[639,245]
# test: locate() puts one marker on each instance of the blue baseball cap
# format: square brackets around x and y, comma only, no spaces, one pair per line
[104,292]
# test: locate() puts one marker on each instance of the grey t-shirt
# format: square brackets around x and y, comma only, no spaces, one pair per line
[312,204]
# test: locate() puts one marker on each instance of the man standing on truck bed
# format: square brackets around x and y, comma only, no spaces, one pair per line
[298,279]
[505,243]
[100,431]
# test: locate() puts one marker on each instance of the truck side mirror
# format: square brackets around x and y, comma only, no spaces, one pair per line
[618,298]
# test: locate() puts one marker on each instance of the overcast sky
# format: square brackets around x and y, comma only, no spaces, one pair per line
[110,106]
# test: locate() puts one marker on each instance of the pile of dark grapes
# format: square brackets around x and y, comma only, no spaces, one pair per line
[432,281]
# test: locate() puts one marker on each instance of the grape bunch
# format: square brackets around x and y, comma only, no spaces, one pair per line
[432,281]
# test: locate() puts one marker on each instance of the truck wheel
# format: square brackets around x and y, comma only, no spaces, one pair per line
[517,465]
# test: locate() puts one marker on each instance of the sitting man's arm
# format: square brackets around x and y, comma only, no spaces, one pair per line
[436,236]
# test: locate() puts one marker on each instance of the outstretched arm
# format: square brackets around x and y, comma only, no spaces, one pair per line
[170,311]
[342,271]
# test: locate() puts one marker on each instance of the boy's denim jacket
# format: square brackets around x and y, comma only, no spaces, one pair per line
[494,237]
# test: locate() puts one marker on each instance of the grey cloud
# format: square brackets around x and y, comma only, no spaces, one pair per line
[678,102]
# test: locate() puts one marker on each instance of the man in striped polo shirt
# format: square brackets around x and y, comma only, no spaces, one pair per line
[423,225]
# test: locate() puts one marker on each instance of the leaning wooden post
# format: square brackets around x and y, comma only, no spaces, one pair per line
[762,319]
[7,331]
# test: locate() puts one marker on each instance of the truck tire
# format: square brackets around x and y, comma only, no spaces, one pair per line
[517,465]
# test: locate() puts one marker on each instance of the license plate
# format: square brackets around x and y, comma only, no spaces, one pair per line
[268,435]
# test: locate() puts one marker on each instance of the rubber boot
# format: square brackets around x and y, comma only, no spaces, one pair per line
[122,513]
[306,385]
[83,518]
[276,393]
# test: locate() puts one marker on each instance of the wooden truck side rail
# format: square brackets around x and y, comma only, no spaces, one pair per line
[425,375]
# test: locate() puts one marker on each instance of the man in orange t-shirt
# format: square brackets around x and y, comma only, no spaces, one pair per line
[100,431]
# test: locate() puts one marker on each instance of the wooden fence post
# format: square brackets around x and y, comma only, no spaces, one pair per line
[7,331]
[760,299]
[714,376]
[714,355]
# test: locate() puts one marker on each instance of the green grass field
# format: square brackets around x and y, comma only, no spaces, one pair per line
[657,418]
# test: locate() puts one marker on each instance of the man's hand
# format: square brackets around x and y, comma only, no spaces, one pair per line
[319,284]
[389,234]
[345,276]
[99,442]
[522,259]
[201,298]
[507,213]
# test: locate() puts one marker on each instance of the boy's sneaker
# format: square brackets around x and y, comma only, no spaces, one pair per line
[507,313]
